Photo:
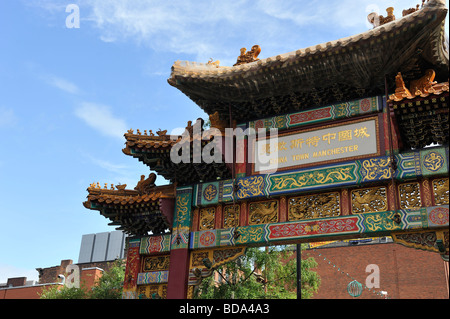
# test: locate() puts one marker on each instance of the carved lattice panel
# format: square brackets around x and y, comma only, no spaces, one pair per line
[207,218]
[409,194]
[156,263]
[197,258]
[314,206]
[157,291]
[231,216]
[368,200]
[263,212]
[440,188]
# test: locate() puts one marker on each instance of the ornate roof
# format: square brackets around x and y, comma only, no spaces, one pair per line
[346,69]
[155,152]
[421,111]
[146,208]
[422,87]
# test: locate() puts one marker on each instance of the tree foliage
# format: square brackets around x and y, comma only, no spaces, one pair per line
[261,273]
[108,286]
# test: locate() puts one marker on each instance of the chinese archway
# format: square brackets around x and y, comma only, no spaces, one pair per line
[361,151]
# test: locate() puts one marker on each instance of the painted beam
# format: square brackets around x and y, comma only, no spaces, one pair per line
[154,244]
[360,225]
[410,165]
[326,113]
[153,277]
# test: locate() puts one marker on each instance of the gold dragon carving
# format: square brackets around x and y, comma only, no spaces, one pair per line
[376,169]
[441,191]
[369,200]
[409,195]
[231,216]
[314,206]
[156,263]
[263,212]
[207,218]
[316,177]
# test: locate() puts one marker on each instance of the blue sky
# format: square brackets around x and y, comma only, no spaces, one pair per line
[67,96]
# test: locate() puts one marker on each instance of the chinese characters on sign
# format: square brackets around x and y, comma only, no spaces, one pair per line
[321,145]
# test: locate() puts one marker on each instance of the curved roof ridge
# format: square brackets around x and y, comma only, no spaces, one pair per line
[192,68]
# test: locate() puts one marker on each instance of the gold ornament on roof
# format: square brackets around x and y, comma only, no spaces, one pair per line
[121,187]
[376,19]
[212,62]
[144,186]
[161,133]
[249,56]
[410,10]
[422,86]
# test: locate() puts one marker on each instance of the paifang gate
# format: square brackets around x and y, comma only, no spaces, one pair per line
[361,151]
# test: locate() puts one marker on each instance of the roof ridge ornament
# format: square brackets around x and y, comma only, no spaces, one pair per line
[377,20]
[248,56]
[212,62]
[423,86]
[144,186]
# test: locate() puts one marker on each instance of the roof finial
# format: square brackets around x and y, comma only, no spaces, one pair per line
[211,62]
[248,57]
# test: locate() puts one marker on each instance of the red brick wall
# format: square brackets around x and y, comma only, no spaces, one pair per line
[27,292]
[16,282]
[88,277]
[405,273]
[50,274]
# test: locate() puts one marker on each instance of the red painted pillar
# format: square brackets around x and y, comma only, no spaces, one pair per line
[178,274]
[131,269]
[179,250]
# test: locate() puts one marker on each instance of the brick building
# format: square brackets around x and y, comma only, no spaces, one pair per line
[97,254]
[404,273]
[20,288]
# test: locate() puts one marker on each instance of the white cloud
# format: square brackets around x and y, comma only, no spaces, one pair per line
[107,165]
[174,26]
[62,84]
[7,117]
[218,29]
[100,118]
[205,29]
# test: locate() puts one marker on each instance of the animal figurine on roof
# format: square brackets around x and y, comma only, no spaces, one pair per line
[215,63]
[249,56]
[144,186]
[424,84]
[376,19]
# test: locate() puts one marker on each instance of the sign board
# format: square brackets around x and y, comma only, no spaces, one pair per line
[332,143]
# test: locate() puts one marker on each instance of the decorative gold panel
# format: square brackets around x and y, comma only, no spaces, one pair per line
[367,200]
[197,258]
[409,194]
[156,263]
[263,212]
[154,291]
[314,206]
[440,188]
[207,218]
[231,216]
